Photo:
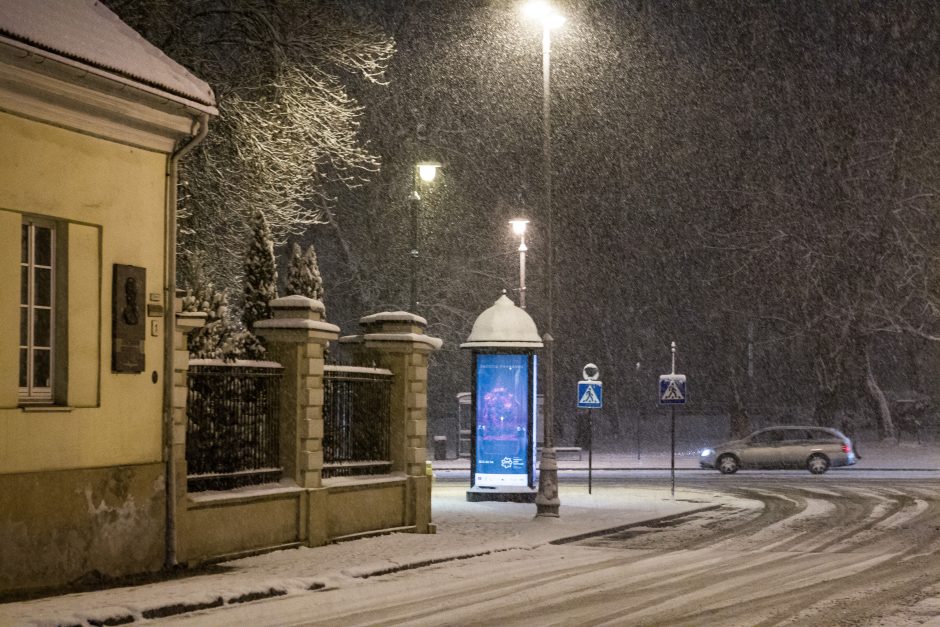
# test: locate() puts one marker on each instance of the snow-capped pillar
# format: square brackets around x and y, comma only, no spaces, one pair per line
[296,338]
[186,323]
[176,489]
[396,341]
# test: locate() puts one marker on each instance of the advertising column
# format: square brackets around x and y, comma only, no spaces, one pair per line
[503,425]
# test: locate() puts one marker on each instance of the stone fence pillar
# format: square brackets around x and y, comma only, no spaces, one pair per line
[296,338]
[396,341]
[186,323]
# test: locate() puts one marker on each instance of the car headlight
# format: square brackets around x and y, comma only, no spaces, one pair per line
[706,452]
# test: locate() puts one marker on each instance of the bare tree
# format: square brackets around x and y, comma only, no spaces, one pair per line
[287,130]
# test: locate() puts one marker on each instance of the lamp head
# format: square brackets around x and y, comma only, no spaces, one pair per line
[519,226]
[544,12]
[427,170]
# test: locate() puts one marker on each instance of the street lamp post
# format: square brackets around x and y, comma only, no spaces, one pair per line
[425,172]
[547,502]
[519,227]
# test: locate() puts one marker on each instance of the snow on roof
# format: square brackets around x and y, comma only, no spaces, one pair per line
[296,323]
[434,342]
[296,301]
[88,32]
[238,363]
[393,316]
[503,325]
[356,369]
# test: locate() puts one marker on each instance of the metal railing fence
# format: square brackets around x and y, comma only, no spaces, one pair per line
[232,436]
[356,421]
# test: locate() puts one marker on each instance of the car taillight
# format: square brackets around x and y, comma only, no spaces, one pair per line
[846,448]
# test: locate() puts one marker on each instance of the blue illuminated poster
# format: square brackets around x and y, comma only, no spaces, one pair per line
[502,420]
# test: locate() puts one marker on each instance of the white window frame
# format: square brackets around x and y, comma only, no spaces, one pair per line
[33,393]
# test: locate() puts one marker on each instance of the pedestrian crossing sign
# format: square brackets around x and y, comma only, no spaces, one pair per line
[590,395]
[672,389]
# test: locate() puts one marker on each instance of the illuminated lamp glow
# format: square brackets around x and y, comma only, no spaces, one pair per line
[544,12]
[427,171]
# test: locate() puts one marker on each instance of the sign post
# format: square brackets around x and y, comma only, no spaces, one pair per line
[590,396]
[640,414]
[672,392]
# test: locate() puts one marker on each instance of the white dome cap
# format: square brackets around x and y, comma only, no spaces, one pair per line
[503,325]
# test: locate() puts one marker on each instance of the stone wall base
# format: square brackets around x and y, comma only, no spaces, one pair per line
[59,527]
[217,525]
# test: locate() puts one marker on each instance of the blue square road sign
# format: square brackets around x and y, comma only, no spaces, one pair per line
[672,389]
[590,395]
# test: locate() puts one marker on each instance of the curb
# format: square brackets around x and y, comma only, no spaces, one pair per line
[117,615]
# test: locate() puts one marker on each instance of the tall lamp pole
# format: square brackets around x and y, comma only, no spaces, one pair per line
[547,502]
[519,227]
[425,172]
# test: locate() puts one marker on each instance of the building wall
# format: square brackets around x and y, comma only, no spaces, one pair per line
[108,201]
[113,200]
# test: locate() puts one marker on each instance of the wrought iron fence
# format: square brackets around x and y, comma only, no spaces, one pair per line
[233,432]
[356,408]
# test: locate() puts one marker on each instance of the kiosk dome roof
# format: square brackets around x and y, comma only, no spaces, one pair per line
[503,326]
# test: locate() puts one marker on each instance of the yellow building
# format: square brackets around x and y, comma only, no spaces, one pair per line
[93,121]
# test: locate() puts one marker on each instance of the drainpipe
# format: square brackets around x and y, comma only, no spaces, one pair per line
[169,324]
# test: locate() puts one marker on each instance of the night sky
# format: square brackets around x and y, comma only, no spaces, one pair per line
[725,174]
[752,180]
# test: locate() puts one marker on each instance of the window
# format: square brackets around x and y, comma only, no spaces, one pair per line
[37,312]
[797,435]
[816,434]
[771,436]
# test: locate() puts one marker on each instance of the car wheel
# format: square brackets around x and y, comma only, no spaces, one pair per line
[817,464]
[728,465]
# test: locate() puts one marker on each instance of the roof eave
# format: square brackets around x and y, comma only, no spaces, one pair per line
[496,344]
[117,81]
[55,91]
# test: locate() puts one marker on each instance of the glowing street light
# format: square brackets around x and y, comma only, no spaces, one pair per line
[547,502]
[426,172]
[543,12]
[519,227]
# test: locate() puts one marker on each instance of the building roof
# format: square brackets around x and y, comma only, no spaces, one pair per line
[87,32]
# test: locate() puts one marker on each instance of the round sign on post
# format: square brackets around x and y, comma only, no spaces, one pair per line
[590,390]
[590,396]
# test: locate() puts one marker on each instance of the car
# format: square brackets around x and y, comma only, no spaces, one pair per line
[816,449]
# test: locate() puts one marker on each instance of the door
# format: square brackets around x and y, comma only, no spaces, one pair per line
[763,449]
[795,448]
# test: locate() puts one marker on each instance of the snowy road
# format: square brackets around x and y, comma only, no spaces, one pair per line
[698,477]
[794,551]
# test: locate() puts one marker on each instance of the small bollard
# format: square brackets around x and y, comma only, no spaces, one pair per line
[440,447]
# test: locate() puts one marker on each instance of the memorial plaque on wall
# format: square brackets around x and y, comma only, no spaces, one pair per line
[128,318]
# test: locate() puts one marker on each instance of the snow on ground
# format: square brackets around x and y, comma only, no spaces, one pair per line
[464,529]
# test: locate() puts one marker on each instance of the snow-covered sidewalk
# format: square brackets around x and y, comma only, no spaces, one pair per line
[463,530]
